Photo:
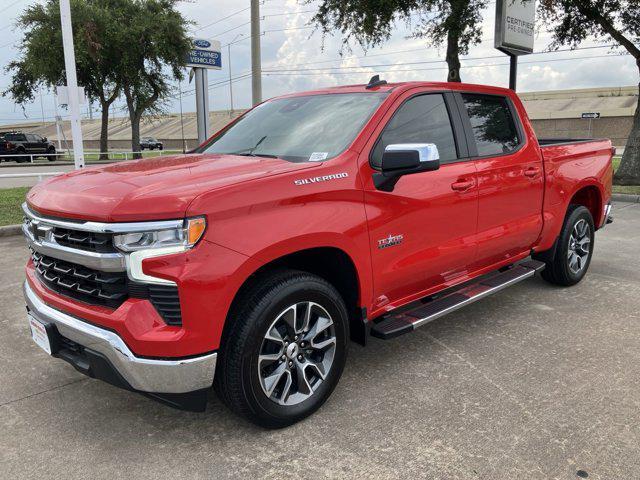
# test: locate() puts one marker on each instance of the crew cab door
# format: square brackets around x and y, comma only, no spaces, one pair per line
[422,234]
[510,177]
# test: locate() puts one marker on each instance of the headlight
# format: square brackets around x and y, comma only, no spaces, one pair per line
[186,236]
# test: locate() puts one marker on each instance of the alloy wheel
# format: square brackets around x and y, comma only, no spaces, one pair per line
[297,353]
[579,246]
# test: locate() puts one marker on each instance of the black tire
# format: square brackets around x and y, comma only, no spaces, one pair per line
[558,270]
[238,376]
[21,159]
[51,154]
[160,147]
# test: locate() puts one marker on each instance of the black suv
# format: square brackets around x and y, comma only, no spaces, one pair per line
[150,143]
[25,145]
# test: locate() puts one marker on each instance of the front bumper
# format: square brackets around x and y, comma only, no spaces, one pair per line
[102,354]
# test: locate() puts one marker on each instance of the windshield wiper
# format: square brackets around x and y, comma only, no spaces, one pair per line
[248,152]
[265,155]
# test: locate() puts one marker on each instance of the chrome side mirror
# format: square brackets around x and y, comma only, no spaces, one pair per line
[405,159]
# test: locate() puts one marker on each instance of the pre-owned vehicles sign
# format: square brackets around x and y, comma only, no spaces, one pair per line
[205,54]
[515,22]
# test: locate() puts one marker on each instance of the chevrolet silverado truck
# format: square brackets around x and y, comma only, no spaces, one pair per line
[314,220]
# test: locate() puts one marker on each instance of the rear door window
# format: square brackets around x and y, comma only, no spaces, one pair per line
[492,122]
[421,119]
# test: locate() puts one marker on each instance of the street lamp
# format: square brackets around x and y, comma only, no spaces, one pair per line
[229,62]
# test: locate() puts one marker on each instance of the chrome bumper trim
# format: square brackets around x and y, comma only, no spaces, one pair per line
[107,262]
[146,375]
[99,227]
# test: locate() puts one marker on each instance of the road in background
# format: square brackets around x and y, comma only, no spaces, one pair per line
[535,382]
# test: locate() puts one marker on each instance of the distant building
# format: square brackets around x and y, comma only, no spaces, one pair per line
[553,114]
[558,113]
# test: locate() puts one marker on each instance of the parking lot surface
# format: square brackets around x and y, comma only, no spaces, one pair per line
[534,382]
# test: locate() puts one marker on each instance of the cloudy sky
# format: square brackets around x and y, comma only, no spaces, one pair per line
[294,59]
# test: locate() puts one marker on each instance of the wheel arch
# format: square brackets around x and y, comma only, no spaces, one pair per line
[589,196]
[331,263]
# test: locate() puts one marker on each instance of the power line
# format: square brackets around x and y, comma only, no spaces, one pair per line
[10,5]
[276,73]
[231,29]
[434,61]
[222,19]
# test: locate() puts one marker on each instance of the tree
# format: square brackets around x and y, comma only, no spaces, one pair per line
[573,21]
[41,61]
[370,22]
[153,47]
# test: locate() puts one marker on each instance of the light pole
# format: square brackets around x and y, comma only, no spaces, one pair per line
[72,82]
[229,62]
[256,68]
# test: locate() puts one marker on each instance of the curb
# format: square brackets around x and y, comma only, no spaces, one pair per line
[10,230]
[625,197]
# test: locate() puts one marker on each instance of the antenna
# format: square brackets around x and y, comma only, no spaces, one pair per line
[375,82]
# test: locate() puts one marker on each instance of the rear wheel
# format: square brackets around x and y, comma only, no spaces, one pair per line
[574,248]
[284,349]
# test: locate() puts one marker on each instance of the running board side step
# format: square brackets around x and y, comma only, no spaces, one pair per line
[393,325]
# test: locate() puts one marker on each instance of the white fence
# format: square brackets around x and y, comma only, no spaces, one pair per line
[89,155]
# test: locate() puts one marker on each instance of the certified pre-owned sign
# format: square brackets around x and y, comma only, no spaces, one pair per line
[205,54]
[515,23]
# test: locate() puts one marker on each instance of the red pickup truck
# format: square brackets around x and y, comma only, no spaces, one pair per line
[312,220]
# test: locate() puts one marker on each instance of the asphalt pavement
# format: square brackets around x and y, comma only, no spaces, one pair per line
[536,382]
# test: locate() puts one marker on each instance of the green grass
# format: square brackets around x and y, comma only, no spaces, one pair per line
[616,163]
[630,189]
[10,201]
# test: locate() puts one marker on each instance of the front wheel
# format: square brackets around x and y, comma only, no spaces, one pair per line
[51,154]
[284,349]
[574,248]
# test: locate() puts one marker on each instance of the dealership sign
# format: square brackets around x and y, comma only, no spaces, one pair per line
[204,54]
[515,22]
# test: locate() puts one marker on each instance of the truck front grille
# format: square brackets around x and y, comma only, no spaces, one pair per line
[90,241]
[81,283]
[103,288]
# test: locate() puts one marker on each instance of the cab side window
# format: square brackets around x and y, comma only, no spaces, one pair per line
[421,119]
[492,122]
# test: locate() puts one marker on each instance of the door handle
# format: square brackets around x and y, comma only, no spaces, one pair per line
[463,185]
[531,172]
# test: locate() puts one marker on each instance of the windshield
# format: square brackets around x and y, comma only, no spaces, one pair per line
[298,129]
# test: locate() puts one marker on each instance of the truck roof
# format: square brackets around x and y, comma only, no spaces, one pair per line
[402,86]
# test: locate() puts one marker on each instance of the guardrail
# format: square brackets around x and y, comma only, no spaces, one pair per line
[122,155]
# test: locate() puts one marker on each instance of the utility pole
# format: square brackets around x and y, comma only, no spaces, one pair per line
[41,105]
[256,68]
[184,148]
[72,82]
[230,85]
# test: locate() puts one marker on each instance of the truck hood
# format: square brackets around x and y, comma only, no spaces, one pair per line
[148,189]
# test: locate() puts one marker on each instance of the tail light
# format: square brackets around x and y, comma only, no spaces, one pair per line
[11,145]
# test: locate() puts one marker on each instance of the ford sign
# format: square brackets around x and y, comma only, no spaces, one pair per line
[202,43]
